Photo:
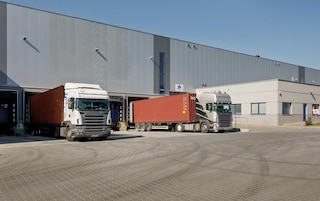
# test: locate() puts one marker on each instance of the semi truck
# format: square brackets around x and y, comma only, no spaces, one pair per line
[74,111]
[204,112]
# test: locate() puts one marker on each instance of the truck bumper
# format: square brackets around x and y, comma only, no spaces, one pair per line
[78,133]
[215,127]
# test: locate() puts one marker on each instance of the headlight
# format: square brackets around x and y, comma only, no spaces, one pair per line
[77,130]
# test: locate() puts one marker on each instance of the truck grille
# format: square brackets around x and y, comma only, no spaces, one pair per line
[224,118]
[94,123]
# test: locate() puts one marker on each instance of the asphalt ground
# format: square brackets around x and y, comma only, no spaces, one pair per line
[264,163]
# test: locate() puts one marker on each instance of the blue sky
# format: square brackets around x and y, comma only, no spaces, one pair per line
[283,30]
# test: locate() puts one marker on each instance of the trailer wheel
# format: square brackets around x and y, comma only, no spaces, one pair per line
[179,127]
[136,127]
[204,127]
[142,127]
[148,127]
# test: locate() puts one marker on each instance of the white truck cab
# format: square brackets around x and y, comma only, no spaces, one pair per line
[216,109]
[86,112]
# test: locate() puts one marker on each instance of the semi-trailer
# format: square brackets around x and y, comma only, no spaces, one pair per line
[74,111]
[205,112]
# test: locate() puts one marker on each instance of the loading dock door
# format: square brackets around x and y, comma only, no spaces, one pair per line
[305,112]
[116,108]
[8,110]
[27,106]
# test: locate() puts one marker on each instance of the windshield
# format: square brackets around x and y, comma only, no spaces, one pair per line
[92,104]
[222,107]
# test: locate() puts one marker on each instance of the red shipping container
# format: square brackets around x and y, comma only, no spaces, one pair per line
[168,109]
[47,107]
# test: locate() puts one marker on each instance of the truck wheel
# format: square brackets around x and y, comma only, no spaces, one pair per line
[148,127]
[204,127]
[68,135]
[179,127]
[70,138]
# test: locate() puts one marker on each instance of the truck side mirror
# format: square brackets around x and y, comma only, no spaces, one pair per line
[70,103]
[209,106]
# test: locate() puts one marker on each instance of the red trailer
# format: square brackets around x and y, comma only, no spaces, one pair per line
[47,107]
[169,112]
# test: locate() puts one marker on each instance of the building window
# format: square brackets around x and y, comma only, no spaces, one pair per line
[162,71]
[315,109]
[236,109]
[286,108]
[258,108]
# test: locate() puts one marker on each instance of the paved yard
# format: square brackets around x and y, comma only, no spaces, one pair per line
[276,164]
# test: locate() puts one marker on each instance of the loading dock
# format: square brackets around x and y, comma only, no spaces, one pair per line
[8,110]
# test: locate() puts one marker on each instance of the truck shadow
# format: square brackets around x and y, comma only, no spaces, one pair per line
[122,136]
[8,139]
[111,138]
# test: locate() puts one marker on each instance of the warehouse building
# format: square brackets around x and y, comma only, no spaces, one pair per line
[41,50]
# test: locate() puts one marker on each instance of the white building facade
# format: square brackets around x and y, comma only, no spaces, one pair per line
[272,102]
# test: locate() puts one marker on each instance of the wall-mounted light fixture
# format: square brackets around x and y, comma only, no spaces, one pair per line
[276,63]
[151,58]
[194,46]
[188,45]
[280,93]
[24,38]
[99,53]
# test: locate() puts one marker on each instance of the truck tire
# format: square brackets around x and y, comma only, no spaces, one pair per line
[68,135]
[142,127]
[179,127]
[136,127]
[148,127]
[204,127]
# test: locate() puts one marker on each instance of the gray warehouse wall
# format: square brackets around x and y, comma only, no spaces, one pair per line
[195,65]
[312,76]
[3,43]
[62,49]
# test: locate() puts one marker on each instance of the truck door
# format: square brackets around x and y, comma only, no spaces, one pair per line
[69,109]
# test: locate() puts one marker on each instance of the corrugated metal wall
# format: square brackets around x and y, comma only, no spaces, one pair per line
[312,76]
[61,48]
[3,43]
[196,66]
